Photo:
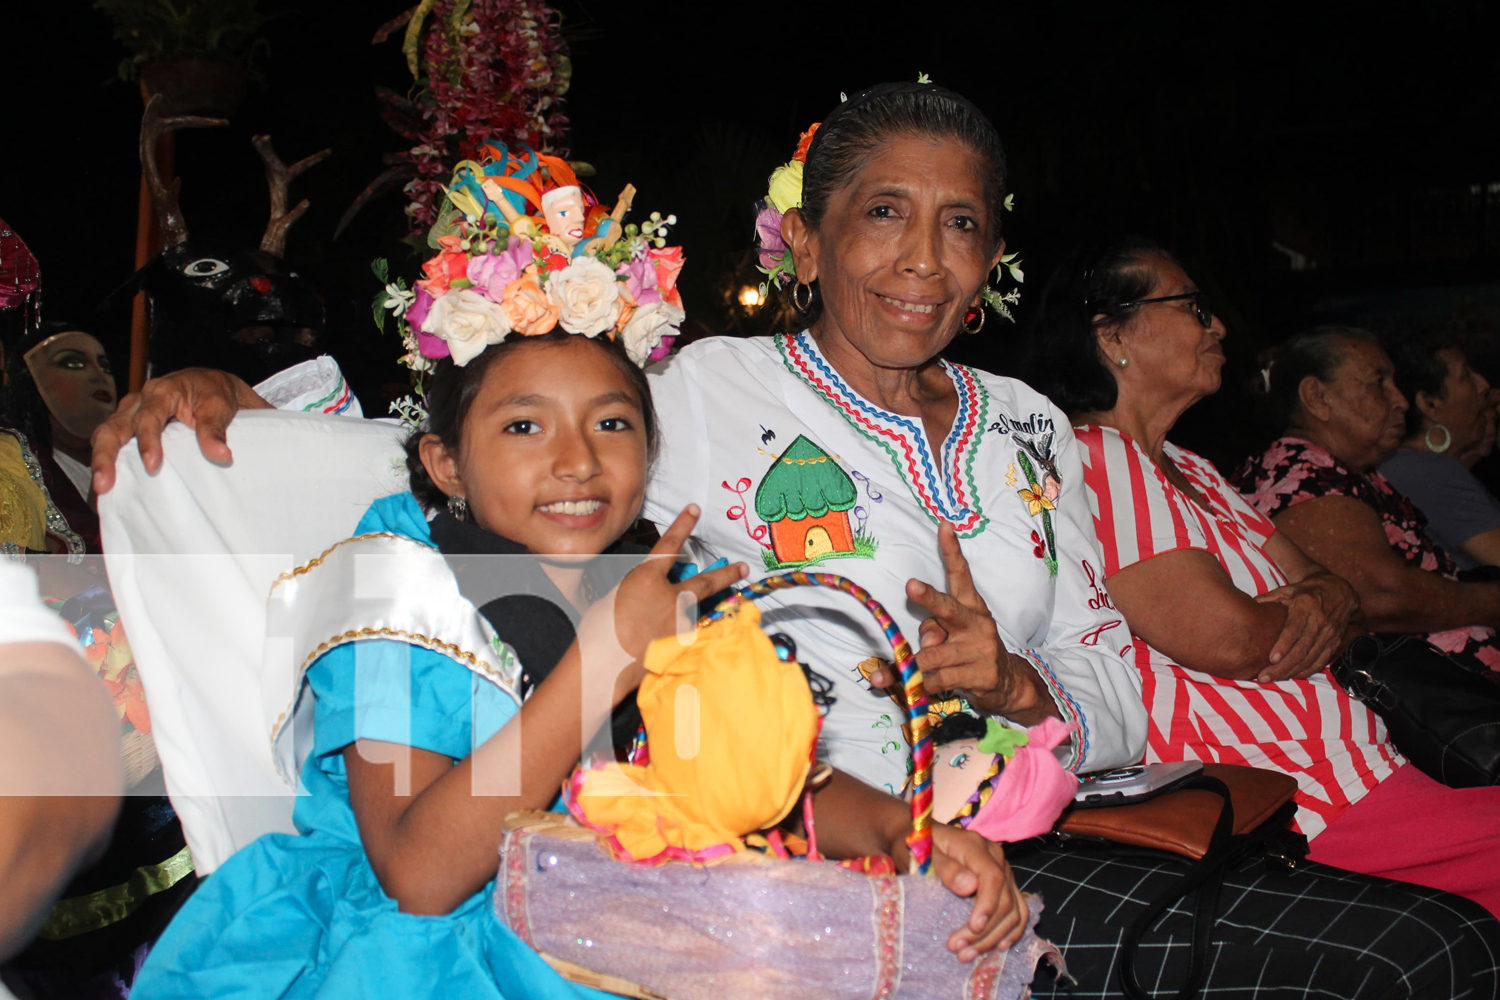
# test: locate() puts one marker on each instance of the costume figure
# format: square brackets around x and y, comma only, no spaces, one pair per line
[59,387]
[217,304]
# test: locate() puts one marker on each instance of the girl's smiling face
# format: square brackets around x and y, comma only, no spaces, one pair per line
[554,453]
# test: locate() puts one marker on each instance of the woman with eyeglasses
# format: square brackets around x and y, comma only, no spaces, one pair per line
[1233,623]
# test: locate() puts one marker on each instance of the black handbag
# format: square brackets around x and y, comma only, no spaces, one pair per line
[1442,715]
[1197,826]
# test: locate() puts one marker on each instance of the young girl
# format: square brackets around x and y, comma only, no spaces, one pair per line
[537,448]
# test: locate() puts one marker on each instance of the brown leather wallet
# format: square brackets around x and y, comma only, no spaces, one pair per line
[1183,821]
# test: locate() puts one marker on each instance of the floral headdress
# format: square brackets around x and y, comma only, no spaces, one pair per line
[784,192]
[522,250]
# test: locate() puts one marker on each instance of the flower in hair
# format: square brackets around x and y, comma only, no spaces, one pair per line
[587,297]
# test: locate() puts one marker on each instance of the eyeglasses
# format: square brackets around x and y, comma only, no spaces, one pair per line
[1204,315]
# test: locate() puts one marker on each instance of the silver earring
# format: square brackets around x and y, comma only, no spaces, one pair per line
[459,508]
[1123,362]
[1447,439]
[796,299]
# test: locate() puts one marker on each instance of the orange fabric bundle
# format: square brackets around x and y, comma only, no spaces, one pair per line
[731,729]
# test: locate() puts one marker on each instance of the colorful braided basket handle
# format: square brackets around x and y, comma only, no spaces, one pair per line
[920,838]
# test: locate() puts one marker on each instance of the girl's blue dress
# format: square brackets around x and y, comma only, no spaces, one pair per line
[304,916]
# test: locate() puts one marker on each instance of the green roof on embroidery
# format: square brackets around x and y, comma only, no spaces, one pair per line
[803,482]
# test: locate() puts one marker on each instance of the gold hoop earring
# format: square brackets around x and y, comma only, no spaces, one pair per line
[796,300]
[974,329]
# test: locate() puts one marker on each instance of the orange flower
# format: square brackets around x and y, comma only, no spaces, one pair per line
[668,263]
[130,700]
[627,309]
[444,269]
[531,312]
[804,142]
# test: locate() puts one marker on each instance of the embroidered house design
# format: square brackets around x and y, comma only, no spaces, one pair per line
[805,499]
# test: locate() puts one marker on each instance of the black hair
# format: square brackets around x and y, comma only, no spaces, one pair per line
[452,389]
[861,125]
[1312,352]
[958,726]
[21,405]
[1063,359]
[1419,369]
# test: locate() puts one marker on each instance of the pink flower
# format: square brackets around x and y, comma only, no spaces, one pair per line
[1454,640]
[418,311]
[665,347]
[640,280]
[432,347]
[492,273]
[768,236]
[1487,654]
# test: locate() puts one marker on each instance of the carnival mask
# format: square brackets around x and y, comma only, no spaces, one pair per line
[219,305]
[74,378]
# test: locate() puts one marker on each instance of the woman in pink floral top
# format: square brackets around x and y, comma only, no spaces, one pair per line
[1343,414]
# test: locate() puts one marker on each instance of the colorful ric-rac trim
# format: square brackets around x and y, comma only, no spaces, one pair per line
[953,498]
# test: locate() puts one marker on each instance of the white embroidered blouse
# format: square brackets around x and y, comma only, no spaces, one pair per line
[794,470]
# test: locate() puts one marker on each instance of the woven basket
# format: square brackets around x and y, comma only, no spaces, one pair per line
[751,925]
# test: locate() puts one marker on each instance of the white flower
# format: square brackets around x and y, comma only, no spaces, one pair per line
[647,325]
[468,322]
[587,297]
[398,299]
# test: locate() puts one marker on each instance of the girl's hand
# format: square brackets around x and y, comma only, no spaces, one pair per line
[969,865]
[1318,610]
[648,606]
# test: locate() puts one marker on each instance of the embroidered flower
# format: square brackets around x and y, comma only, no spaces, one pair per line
[1036,499]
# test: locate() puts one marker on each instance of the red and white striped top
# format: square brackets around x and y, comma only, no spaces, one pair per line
[1311,729]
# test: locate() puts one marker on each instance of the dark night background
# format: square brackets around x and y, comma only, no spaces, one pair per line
[1306,161]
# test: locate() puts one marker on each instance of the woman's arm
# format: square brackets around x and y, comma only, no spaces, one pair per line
[1227,633]
[1483,548]
[1346,536]
[855,821]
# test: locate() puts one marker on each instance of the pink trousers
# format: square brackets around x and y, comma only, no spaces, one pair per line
[1414,829]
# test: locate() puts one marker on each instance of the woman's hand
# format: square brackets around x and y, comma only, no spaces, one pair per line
[1318,610]
[961,649]
[648,606]
[969,865]
[204,399]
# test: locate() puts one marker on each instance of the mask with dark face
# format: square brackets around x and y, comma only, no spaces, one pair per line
[237,310]
[215,305]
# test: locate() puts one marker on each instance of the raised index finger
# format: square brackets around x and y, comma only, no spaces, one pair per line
[956,569]
[675,537]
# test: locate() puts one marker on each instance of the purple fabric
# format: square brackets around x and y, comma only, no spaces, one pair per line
[748,926]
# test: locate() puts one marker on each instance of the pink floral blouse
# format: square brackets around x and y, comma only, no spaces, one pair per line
[1292,470]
